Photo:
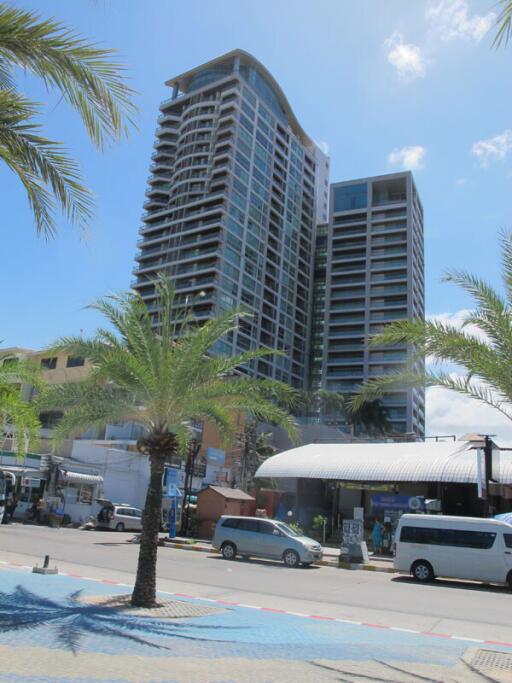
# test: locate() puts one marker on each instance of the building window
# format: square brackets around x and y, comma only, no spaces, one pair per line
[49,363]
[50,419]
[350,197]
[75,362]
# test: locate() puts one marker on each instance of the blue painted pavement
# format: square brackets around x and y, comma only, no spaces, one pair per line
[48,612]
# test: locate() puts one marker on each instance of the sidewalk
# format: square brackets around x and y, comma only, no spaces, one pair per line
[68,629]
[331,555]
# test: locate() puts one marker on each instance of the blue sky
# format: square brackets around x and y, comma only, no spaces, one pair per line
[381,84]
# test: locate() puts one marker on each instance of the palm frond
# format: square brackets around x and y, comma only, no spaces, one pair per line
[504,24]
[86,76]
[43,166]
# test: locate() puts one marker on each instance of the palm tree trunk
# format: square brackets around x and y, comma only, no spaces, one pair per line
[144,592]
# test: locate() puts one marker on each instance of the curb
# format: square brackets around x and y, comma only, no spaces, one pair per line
[322,563]
[317,617]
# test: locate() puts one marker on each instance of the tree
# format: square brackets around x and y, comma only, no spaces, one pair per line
[256,448]
[370,418]
[504,24]
[17,416]
[87,79]
[154,369]
[482,347]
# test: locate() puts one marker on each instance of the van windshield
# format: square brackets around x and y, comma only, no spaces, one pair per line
[287,529]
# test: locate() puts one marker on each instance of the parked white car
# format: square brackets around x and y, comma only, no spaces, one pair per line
[122,517]
[268,538]
[473,548]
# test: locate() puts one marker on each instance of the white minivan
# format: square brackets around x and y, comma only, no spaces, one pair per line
[473,548]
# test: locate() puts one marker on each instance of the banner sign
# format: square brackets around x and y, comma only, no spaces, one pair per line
[480,473]
[216,456]
[353,532]
[398,503]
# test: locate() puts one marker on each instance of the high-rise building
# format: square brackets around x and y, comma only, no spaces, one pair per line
[369,271]
[236,188]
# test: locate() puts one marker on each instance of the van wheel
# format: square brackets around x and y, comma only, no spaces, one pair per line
[120,527]
[291,558]
[509,580]
[228,551]
[422,571]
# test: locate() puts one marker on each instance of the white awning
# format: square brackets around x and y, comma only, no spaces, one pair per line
[452,461]
[80,478]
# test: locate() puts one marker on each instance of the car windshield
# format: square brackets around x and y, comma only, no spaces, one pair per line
[288,529]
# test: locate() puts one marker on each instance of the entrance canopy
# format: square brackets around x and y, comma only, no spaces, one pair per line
[453,462]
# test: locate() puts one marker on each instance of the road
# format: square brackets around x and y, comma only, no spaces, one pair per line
[455,608]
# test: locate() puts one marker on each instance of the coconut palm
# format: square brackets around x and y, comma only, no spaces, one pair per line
[482,347]
[504,24]
[370,418]
[154,369]
[256,448]
[84,76]
[17,416]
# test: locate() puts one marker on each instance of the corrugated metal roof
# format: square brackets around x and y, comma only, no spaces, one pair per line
[383,462]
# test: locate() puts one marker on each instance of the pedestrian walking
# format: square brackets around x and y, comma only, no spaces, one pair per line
[39,510]
[11,506]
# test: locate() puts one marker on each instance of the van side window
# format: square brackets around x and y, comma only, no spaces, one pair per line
[508,540]
[230,523]
[248,524]
[458,538]
[266,528]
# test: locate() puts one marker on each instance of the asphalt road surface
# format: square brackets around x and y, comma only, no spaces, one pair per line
[457,608]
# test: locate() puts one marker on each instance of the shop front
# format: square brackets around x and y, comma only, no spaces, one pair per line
[384,480]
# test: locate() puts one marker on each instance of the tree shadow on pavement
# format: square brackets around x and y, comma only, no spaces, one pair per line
[21,610]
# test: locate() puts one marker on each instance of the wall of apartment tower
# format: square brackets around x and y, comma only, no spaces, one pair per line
[231,213]
[369,271]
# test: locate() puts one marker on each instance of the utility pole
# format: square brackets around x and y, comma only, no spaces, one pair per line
[194,447]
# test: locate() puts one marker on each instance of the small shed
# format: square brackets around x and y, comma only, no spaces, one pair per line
[215,501]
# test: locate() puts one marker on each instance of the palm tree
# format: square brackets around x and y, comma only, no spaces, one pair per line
[17,416]
[154,369]
[256,448]
[482,347]
[370,418]
[86,78]
[504,24]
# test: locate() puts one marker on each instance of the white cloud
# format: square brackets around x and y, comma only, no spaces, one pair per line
[451,20]
[323,146]
[450,413]
[412,158]
[460,182]
[405,57]
[493,149]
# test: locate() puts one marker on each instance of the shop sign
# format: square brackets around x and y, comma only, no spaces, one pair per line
[215,456]
[398,503]
[360,486]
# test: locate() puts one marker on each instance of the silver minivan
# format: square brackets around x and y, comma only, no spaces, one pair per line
[267,538]
[121,517]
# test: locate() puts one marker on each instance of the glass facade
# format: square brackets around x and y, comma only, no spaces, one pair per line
[350,197]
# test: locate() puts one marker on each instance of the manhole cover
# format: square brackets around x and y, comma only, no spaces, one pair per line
[490,660]
[166,609]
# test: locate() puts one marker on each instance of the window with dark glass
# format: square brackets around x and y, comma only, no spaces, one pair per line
[457,538]
[508,540]
[248,524]
[266,527]
[49,363]
[75,361]
[350,197]
[230,523]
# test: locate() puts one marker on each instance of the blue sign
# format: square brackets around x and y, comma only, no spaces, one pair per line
[395,502]
[216,456]
[172,518]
